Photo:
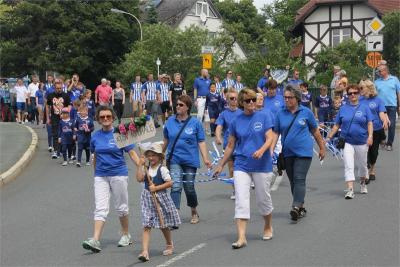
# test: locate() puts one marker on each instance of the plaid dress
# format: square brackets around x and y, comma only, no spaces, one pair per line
[149,212]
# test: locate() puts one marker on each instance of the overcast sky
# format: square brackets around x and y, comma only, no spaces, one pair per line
[260,3]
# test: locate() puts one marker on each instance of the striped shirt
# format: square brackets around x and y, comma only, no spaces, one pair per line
[226,83]
[238,86]
[163,88]
[136,89]
[219,88]
[150,89]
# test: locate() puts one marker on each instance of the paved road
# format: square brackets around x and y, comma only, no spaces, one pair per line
[14,140]
[47,212]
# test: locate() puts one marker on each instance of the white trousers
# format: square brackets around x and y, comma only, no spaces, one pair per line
[201,106]
[262,182]
[103,188]
[355,156]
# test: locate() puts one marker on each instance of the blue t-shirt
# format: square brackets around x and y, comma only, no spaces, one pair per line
[73,113]
[84,127]
[74,94]
[202,85]
[48,88]
[214,102]
[298,142]
[357,133]
[5,96]
[66,131]
[295,83]
[376,106]
[40,95]
[388,89]
[262,83]
[186,151]
[323,102]
[110,159]
[306,99]
[91,109]
[249,131]
[274,104]
[225,119]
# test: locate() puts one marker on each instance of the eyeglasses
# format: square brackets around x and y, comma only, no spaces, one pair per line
[108,117]
[233,98]
[250,100]
[352,93]
[180,105]
[288,97]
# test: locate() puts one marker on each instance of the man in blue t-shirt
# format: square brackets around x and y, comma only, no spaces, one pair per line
[262,83]
[295,81]
[201,88]
[388,87]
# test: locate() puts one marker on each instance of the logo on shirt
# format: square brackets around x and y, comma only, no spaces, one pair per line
[359,114]
[58,104]
[302,121]
[257,126]
[372,105]
[111,142]
[277,104]
[189,130]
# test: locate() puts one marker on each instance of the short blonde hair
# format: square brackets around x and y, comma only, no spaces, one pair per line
[370,90]
[247,92]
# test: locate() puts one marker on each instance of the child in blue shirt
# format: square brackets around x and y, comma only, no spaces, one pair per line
[73,116]
[214,105]
[83,128]
[89,104]
[323,105]
[65,133]
[306,96]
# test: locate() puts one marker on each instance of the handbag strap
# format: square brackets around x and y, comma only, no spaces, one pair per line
[176,139]
[290,126]
[348,128]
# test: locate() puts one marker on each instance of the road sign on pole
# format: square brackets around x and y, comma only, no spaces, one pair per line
[374,43]
[373,59]
[207,61]
[207,49]
[375,25]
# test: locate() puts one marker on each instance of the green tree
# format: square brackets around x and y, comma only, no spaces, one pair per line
[152,15]
[65,36]
[282,13]
[349,55]
[391,42]
[179,51]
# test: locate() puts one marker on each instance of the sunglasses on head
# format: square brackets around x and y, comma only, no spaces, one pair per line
[250,100]
[352,93]
[108,117]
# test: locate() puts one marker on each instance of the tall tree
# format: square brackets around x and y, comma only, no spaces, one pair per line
[391,44]
[282,13]
[65,36]
[152,15]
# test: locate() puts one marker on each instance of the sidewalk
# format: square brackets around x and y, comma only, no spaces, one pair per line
[17,146]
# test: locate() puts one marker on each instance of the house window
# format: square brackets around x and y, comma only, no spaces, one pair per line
[212,35]
[201,7]
[340,35]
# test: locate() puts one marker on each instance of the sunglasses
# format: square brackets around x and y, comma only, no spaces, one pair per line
[108,117]
[180,105]
[288,97]
[230,73]
[233,98]
[250,100]
[352,93]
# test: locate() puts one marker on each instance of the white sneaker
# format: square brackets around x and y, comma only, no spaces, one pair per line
[252,185]
[363,189]
[65,163]
[233,196]
[54,156]
[349,194]
[71,161]
[125,241]
[88,163]
[50,149]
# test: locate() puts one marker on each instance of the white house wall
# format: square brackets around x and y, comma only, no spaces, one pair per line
[321,16]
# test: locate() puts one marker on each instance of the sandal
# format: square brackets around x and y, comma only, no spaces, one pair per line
[143,257]
[195,219]
[238,245]
[169,250]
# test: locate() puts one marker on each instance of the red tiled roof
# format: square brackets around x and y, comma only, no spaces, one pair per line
[296,51]
[381,6]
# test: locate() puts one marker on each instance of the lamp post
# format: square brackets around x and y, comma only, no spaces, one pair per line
[158,62]
[124,12]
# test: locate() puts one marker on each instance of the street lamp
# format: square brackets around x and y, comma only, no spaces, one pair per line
[124,12]
[158,62]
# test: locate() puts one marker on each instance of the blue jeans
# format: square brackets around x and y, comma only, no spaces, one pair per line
[391,112]
[176,190]
[296,170]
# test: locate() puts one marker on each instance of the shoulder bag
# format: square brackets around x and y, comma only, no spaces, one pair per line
[168,161]
[342,140]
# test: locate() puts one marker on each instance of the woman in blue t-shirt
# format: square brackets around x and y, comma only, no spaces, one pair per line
[250,138]
[380,122]
[184,156]
[296,125]
[111,178]
[355,121]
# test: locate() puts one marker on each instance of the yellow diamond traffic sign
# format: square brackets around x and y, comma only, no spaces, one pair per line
[375,25]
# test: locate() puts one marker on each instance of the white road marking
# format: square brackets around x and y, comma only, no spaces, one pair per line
[182,255]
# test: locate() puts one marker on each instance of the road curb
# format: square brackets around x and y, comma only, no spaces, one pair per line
[17,168]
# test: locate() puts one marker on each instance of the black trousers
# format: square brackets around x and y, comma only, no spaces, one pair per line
[373,150]
[54,133]
[118,108]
